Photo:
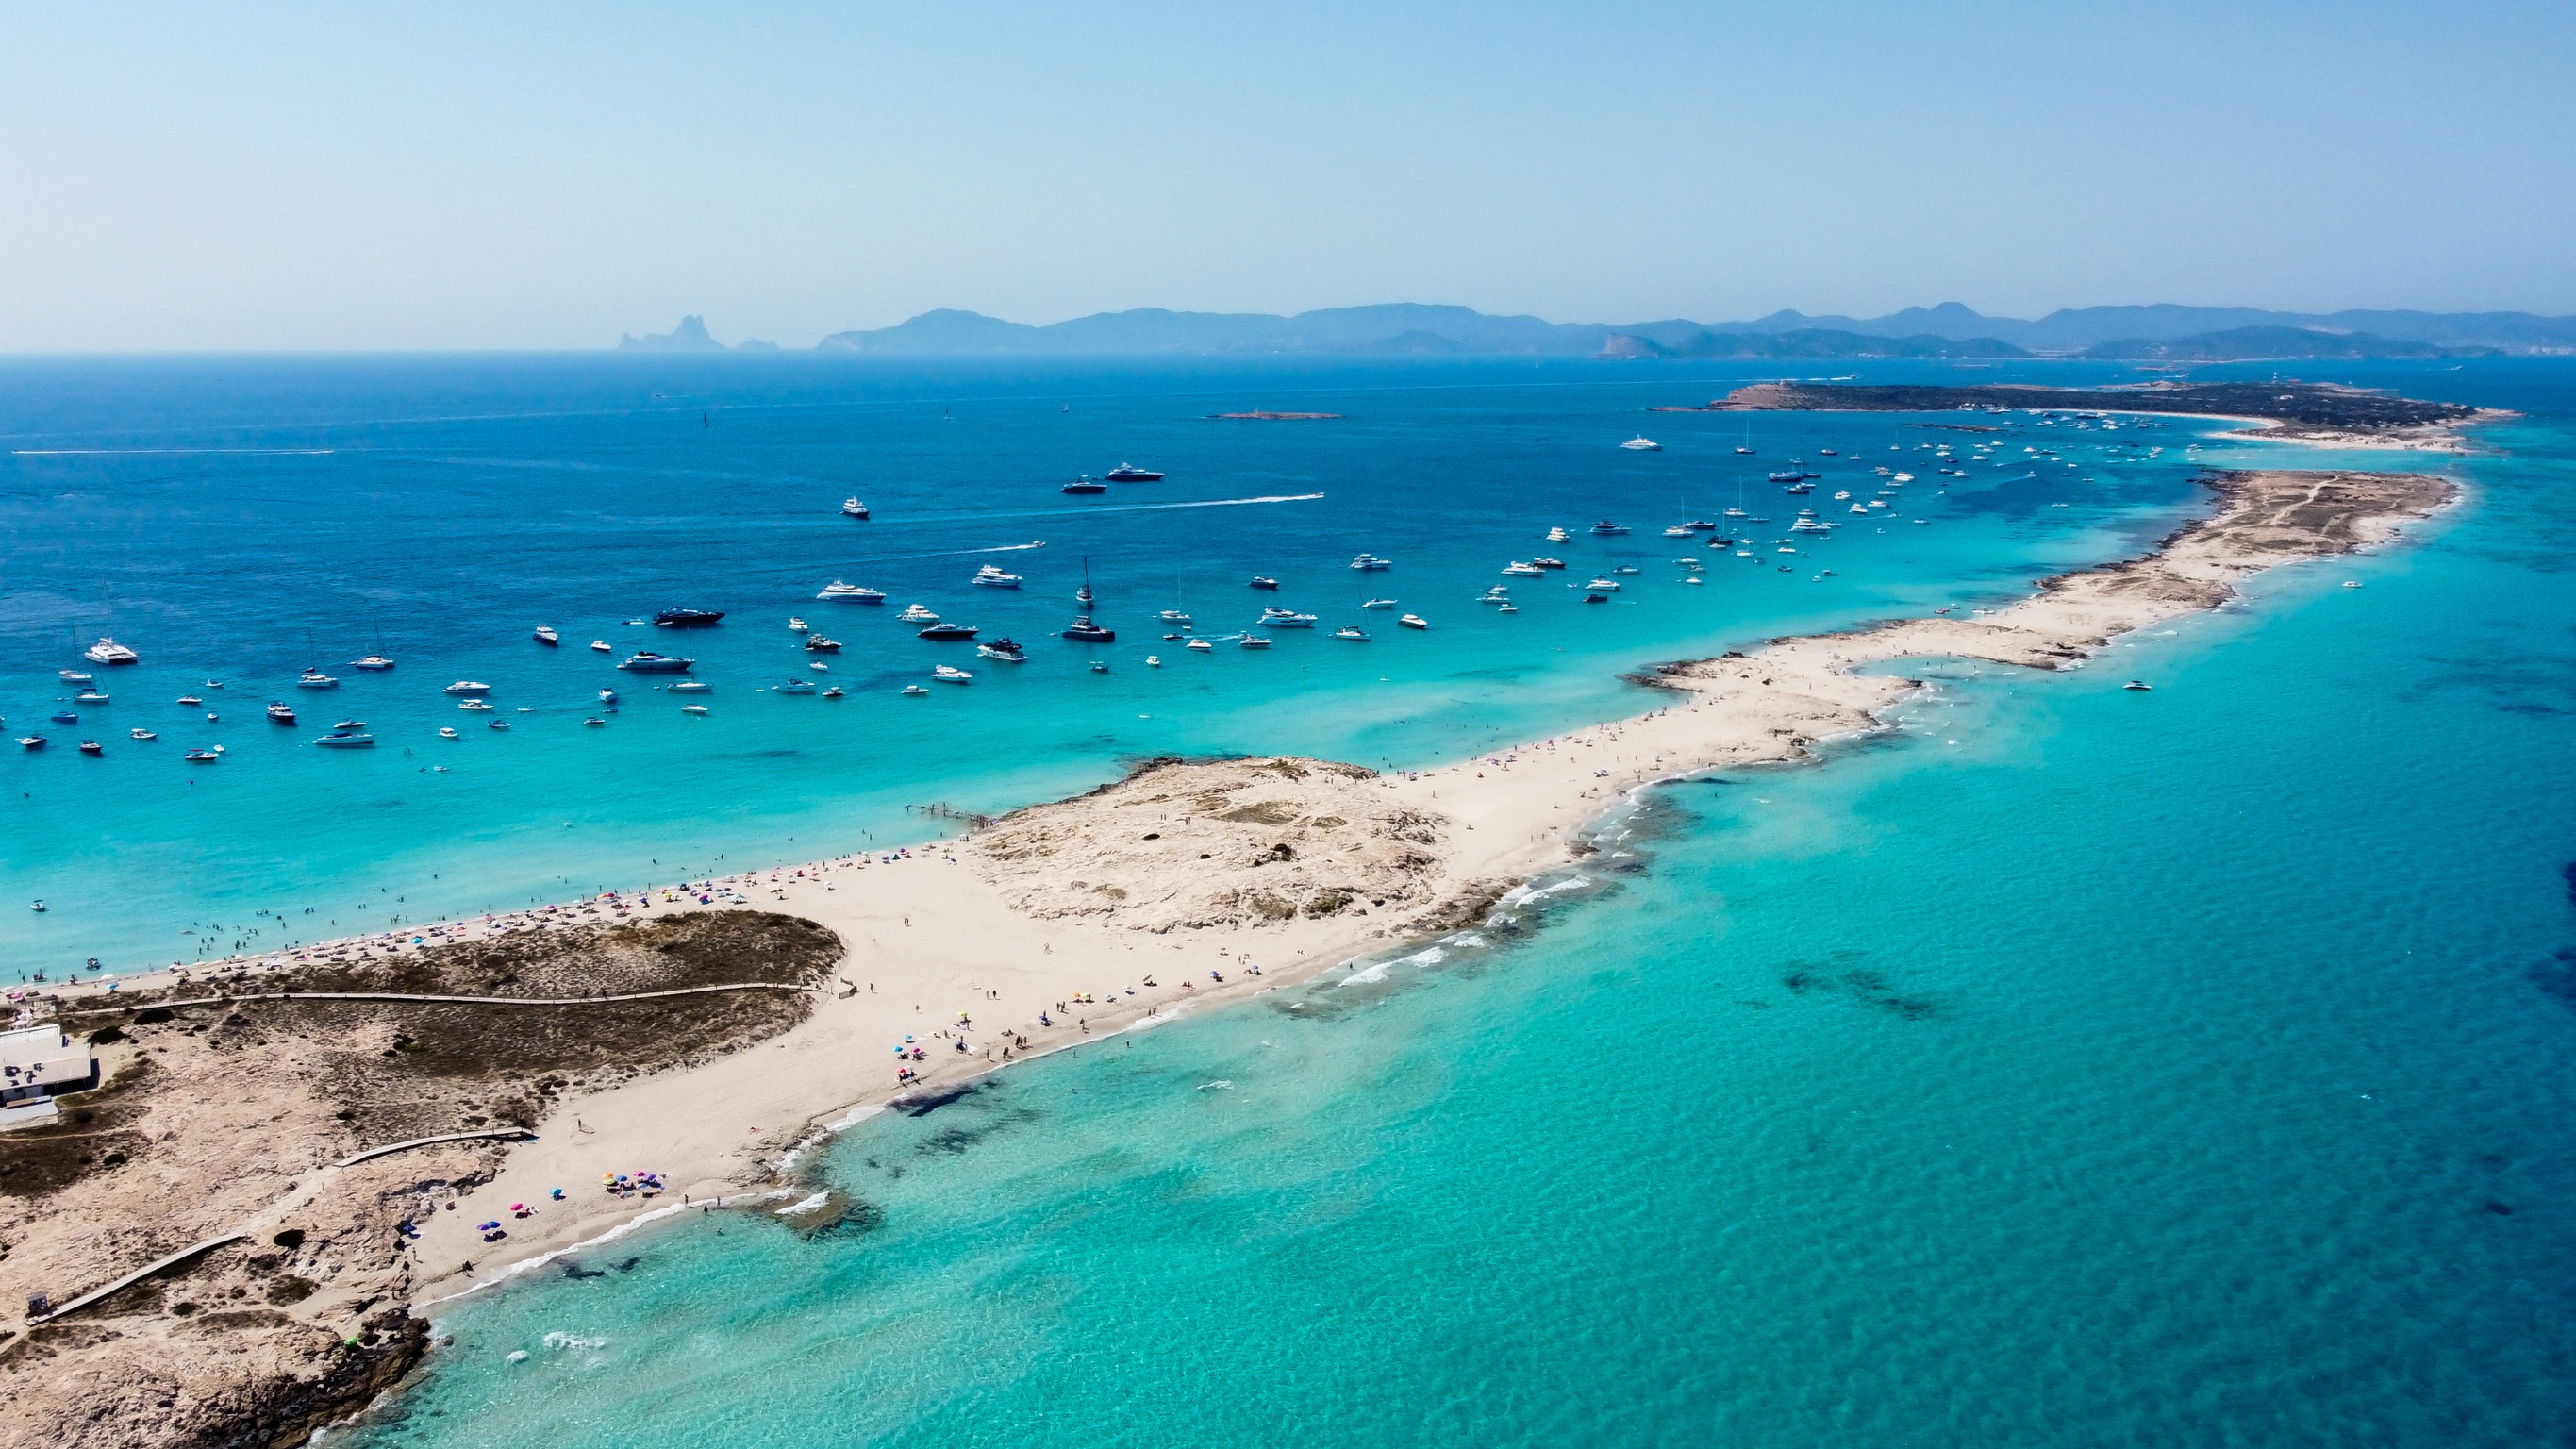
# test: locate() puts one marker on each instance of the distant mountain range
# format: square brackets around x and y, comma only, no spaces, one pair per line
[2156,333]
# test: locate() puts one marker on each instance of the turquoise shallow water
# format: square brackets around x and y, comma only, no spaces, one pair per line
[2072,1067]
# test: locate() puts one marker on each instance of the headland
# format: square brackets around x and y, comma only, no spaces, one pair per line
[2291,412]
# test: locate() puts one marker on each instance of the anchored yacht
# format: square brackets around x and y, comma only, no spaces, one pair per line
[108,651]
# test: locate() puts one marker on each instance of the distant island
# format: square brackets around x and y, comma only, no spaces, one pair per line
[2139,334]
[2301,412]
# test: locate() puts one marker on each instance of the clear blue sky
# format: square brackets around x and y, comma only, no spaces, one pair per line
[514,175]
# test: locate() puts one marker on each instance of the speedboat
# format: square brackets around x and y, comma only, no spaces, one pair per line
[693,709]
[1828,452]
[1596,598]
[1642,444]
[1801,488]
[496,724]
[194,757]
[1369,563]
[75,676]
[351,734]
[692,686]
[2138,684]
[687,618]
[1549,563]
[853,508]
[850,593]
[1085,484]
[1351,631]
[914,689]
[608,696]
[1130,473]
[1841,495]
[280,712]
[547,636]
[37,742]
[92,747]
[1004,650]
[372,661]
[950,631]
[1287,619]
[601,645]
[1700,525]
[1735,513]
[1603,586]
[1100,666]
[1509,609]
[647,662]
[1606,529]
[817,644]
[1523,570]
[832,693]
[1557,535]
[477,705]
[1678,530]
[64,716]
[142,734]
[89,696]
[1379,604]
[916,614]
[1786,475]
[1174,616]
[1264,581]
[108,651]
[316,679]
[793,686]
[594,722]
[951,674]
[1625,569]
[467,686]
[1153,661]
[1859,508]
[1253,641]
[1201,645]
[1413,621]
[992,577]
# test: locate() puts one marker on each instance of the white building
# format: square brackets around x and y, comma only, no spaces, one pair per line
[35,1064]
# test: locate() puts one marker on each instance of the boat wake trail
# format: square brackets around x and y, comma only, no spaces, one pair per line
[1082,512]
[167,452]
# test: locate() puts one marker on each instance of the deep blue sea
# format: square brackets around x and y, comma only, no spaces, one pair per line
[2071,1067]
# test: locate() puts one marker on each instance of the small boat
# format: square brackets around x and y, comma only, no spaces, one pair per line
[1642,444]
[1351,631]
[951,674]
[496,724]
[1201,645]
[820,665]
[1828,452]
[693,709]
[1786,475]
[75,676]
[477,705]
[853,508]
[916,614]
[316,679]
[1521,570]
[692,686]
[2352,583]
[1841,495]
[914,689]
[840,592]
[817,644]
[194,757]
[1859,508]
[1085,484]
[92,747]
[1287,619]
[89,696]
[109,652]
[141,734]
[1558,535]
[2138,684]
[547,636]
[594,722]
[1100,666]
[448,732]
[1369,563]
[1678,530]
[991,576]
[281,713]
[1253,641]
[1800,488]
[1625,569]
[1153,661]
[793,686]
[372,662]
[688,618]
[1264,581]
[351,734]
[1700,525]
[1603,586]
[32,742]
[1549,563]
[1903,478]
[1130,473]
[467,686]
[1413,621]
[1515,608]
[601,645]
[648,662]
[832,693]
[1379,604]
[1606,529]
[214,684]
[65,716]
[1083,630]
[1174,616]
[1004,650]
[950,631]
[1596,598]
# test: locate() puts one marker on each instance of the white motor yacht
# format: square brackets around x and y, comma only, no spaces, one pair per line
[316,679]
[1379,604]
[916,614]
[850,593]
[1413,621]
[372,662]
[467,686]
[1523,570]
[1351,631]
[1558,535]
[108,651]
[993,577]
[1642,444]
[1371,563]
[951,674]
[853,508]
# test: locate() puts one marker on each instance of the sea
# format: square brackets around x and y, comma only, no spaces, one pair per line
[2067,1065]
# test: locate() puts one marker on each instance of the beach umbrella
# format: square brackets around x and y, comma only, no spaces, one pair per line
[487,1227]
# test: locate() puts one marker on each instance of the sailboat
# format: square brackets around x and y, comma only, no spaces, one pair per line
[1082,628]
[1746,447]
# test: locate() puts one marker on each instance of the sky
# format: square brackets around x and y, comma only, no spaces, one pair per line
[330,177]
